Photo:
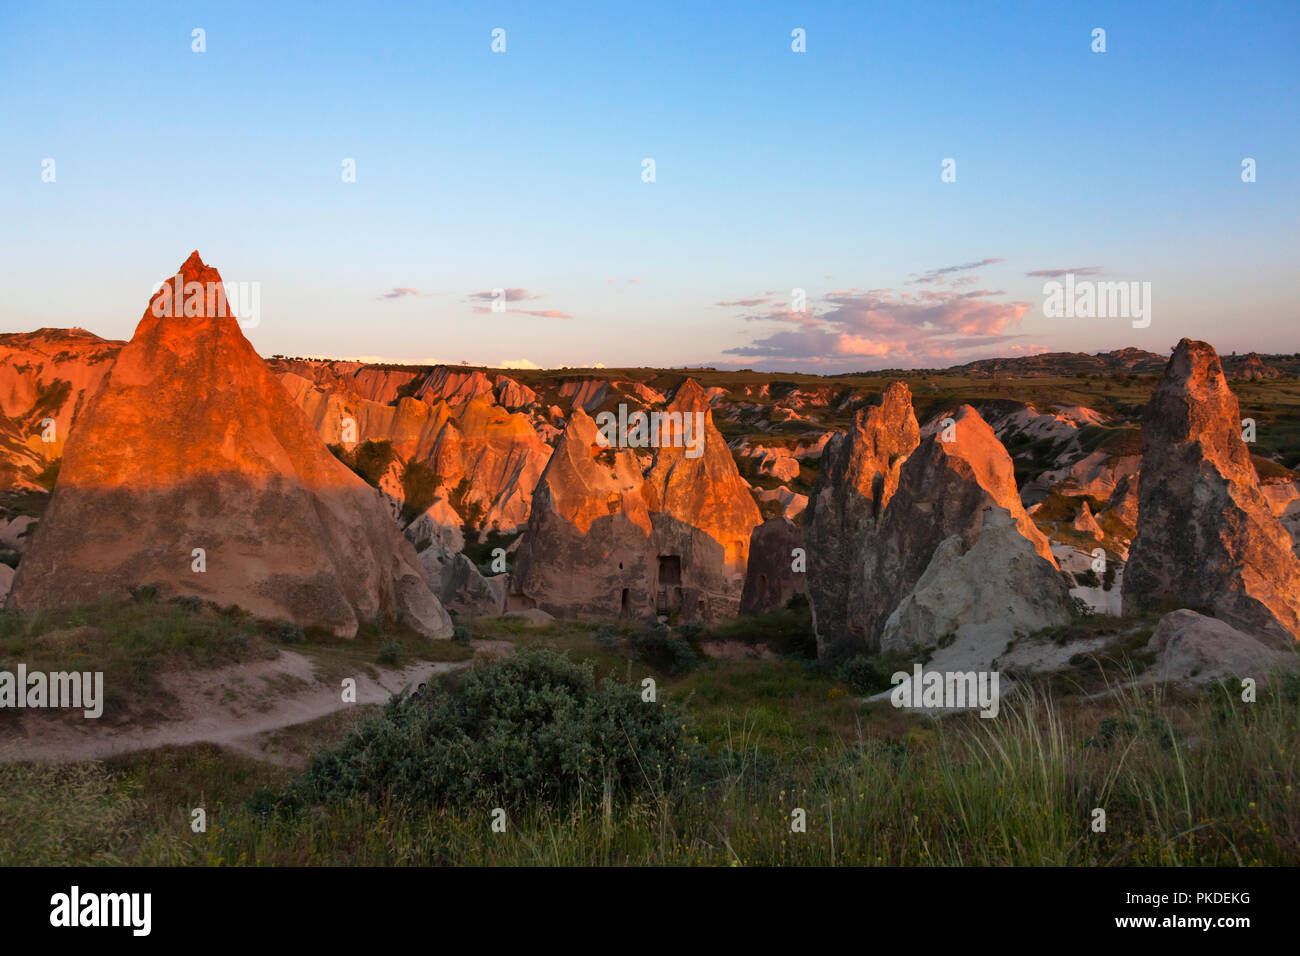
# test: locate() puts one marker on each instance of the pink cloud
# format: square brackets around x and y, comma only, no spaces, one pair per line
[908,329]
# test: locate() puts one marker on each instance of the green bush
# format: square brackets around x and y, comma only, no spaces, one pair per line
[532,727]
[419,489]
[666,650]
[863,675]
[373,459]
[869,674]
[286,632]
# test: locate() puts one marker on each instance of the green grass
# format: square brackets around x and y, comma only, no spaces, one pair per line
[1196,781]
[1193,777]
[134,642]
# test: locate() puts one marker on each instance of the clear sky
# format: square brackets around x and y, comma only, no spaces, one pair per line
[774,171]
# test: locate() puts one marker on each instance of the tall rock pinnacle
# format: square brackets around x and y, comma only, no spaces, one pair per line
[193,472]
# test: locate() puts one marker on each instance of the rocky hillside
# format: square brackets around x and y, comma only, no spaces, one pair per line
[903,492]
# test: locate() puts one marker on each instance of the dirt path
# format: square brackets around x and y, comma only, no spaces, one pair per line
[231,706]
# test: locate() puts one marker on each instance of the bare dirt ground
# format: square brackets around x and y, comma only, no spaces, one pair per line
[235,706]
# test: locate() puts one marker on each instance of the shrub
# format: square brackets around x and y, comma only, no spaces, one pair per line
[419,489]
[373,459]
[870,673]
[530,727]
[665,650]
[863,675]
[392,654]
[286,632]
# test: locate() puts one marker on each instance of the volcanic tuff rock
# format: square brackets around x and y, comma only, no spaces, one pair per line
[604,538]
[190,442]
[453,386]
[1206,536]
[46,377]
[1191,646]
[496,453]
[468,592]
[513,395]
[981,597]
[587,547]
[770,578]
[705,492]
[1086,523]
[944,489]
[858,476]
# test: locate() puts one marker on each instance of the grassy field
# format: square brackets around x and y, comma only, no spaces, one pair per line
[1185,778]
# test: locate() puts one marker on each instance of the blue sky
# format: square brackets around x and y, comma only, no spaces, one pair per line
[775,170]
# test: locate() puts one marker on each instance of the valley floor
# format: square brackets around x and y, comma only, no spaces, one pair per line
[1185,776]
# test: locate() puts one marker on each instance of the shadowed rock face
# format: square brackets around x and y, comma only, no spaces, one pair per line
[858,476]
[191,442]
[1191,647]
[980,598]
[770,580]
[1206,536]
[943,490]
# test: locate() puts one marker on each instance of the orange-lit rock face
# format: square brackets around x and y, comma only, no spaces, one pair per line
[1206,535]
[604,540]
[976,454]
[191,442]
[705,491]
[46,377]
[497,453]
[587,548]
[944,489]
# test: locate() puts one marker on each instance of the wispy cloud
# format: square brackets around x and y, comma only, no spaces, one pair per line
[940,275]
[510,295]
[399,292]
[537,313]
[1057,273]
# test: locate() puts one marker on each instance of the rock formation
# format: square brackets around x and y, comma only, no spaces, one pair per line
[46,377]
[496,453]
[982,597]
[587,549]
[944,490]
[1192,647]
[770,577]
[1085,523]
[1206,536]
[467,592]
[191,443]
[605,539]
[704,491]
[858,476]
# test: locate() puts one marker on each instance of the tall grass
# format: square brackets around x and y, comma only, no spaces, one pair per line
[1203,780]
